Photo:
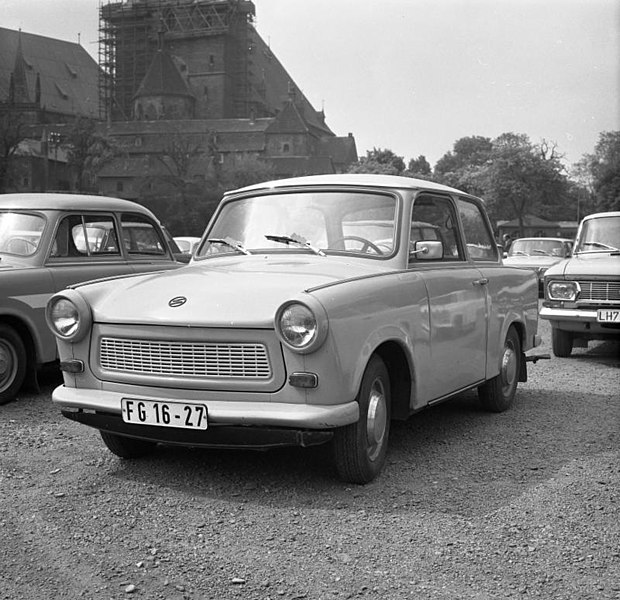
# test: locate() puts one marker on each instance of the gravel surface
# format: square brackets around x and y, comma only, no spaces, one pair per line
[471,506]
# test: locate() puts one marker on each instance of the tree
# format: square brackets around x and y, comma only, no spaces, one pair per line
[419,168]
[600,172]
[12,133]
[381,161]
[87,151]
[521,179]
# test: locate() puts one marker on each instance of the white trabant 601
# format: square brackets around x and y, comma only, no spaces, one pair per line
[316,309]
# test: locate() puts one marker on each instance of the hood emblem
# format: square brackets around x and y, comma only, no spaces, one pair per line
[177,301]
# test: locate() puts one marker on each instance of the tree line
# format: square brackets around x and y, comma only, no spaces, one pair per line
[515,176]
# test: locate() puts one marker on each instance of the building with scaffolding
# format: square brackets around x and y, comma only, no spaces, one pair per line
[199,69]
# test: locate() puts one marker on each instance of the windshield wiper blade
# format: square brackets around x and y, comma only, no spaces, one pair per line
[297,240]
[228,241]
[603,246]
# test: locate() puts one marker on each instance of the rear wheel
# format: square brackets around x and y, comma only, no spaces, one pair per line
[13,363]
[562,342]
[126,447]
[360,448]
[497,394]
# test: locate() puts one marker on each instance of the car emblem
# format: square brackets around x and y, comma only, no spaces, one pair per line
[177,301]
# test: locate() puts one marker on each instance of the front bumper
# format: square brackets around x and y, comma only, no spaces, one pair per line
[578,320]
[229,413]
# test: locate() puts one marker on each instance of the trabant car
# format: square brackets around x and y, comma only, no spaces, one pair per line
[582,294]
[538,254]
[49,241]
[316,309]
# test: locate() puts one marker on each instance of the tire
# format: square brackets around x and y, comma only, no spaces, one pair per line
[497,394]
[562,342]
[126,447]
[13,363]
[360,448]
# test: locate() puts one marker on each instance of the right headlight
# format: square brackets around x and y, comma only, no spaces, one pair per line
[68,316]
[563,290]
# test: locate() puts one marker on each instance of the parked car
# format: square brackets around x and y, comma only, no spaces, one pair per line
[50,241]
[187,244]
[582,294]
[538,254]
[316,310]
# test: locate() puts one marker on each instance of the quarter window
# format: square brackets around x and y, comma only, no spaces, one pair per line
[480,242]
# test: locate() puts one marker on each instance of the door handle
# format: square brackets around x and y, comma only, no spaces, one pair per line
[482,281]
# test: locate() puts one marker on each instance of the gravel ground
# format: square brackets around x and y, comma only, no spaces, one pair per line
[471,506]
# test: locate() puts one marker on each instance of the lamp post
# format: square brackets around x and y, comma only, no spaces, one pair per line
[54,139]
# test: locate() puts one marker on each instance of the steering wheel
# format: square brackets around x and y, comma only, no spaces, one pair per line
[24,246]
[366,244]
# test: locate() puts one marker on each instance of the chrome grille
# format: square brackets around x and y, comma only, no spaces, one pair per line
[185,359]
[600,291]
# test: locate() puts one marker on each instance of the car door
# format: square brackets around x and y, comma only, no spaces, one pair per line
[86,247]
[456,302]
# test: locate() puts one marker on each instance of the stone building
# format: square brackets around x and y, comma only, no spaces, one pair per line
[198,71]
[44,85]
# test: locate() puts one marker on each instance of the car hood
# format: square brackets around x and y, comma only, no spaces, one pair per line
[586,265]
[531,261]
[240,292]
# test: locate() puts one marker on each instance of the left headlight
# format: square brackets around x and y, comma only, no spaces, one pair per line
[68,316]
[302,327]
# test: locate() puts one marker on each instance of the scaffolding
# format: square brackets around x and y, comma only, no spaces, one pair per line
[129,34]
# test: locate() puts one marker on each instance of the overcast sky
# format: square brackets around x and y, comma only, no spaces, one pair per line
[416,75]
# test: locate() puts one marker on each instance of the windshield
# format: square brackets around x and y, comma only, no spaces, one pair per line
[354,222]
[539,247]
[600,234]
[20,233]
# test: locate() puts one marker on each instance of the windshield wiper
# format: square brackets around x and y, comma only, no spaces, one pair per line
[228,241]
[541,252]
[602,245]
[298,240]
[519,253]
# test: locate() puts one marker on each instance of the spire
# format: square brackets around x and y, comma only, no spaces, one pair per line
[19,79]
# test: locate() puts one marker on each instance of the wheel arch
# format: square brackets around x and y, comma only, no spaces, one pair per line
[25,333]
[401,376]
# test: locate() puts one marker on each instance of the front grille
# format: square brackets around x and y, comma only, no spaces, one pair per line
[600,291]
[185,359]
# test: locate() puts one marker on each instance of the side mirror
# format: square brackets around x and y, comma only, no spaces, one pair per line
[427,250]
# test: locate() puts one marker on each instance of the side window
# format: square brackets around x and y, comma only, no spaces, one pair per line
[140,236]
[85,235]
[480,241]
[434,218]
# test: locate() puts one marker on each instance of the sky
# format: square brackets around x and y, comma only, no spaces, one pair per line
[414,76]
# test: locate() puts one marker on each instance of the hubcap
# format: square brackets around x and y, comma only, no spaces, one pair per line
[8,366]
[376,419]
[509,368]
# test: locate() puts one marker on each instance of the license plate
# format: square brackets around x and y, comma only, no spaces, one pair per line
[164,414]
[605,315]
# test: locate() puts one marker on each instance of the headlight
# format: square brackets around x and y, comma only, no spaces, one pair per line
[301,327]
[68,316]
[563,290]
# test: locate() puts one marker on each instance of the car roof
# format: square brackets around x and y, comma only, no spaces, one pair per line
[613,213]
[53,201]
[351,179]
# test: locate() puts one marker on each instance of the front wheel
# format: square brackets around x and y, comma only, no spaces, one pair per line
[13,363]
[497,394]
[360,448]
[562,342]
[126,447]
